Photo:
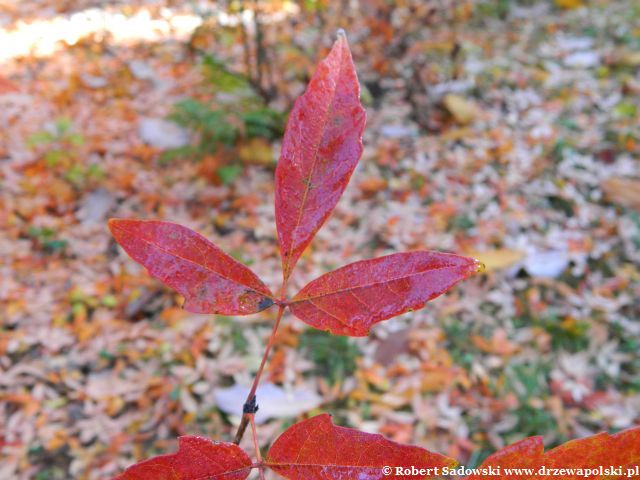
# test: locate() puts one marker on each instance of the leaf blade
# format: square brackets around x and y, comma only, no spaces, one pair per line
[318,449]
[351,299]
[621,450]
[210,280]
[320,150]
[196,458]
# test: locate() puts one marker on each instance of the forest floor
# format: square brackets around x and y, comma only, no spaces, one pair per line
[509,133]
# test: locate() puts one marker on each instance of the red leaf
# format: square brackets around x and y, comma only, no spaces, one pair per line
[197,459]
[621,451]
[317,449]
[7,86]
[321,147]
[526,453]
[349,300]
[210,280]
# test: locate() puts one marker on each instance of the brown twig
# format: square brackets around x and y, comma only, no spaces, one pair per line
[247,47]
[250,405]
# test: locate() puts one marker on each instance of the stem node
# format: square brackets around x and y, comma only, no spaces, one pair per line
[250,403]
[250,406]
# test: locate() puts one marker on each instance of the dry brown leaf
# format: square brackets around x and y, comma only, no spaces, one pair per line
[569,4]
[373,185]
[497,259]
[256,151]
[623,191]
[499,343]
[463,110]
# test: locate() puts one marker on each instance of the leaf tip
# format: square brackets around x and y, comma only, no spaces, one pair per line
[479,266]
[114,225]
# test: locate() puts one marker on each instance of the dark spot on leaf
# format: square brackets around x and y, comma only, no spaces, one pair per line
[266,302]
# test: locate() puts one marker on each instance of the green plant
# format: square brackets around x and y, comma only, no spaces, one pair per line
[47,239]
[60,147]
[225,125]
[334,356]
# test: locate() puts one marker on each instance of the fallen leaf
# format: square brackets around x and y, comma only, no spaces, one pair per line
[463,111]
[497,259]
[7,86]
[569,4]
[256,151]
[623,191]
[499,343]
[162,134]
[546,264]
[95,206]
[274,401]
[373,185]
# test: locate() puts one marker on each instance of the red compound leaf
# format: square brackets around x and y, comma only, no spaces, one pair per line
[316,449]
[349,300]
[210,280]
[197,458]
[321,147]
[605,456]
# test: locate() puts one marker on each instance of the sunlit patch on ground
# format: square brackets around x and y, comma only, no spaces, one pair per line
[43,37]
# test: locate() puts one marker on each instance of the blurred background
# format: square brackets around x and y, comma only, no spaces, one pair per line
[504,130]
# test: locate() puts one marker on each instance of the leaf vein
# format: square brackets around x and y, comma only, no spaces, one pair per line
[200,265]
[372,284]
